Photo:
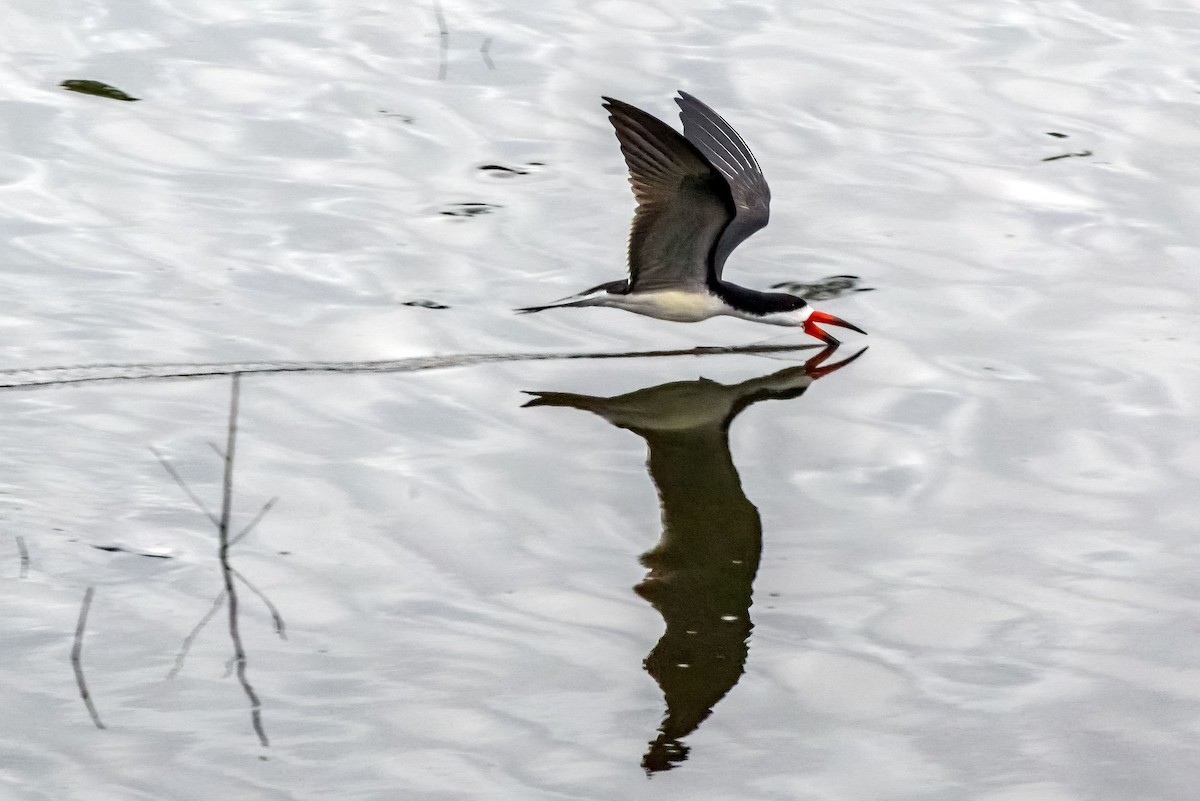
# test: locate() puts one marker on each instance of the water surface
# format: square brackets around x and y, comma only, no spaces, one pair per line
[962,567]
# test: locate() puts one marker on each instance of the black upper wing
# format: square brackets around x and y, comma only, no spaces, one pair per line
[728,154]
[683,203]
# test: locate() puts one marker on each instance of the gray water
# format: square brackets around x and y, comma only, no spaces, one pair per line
[962,567]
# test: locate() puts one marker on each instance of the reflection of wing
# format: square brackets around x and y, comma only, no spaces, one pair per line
[726,151]
[683,204]
[700,580]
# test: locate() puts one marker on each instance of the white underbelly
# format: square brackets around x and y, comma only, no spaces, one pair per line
[674,305]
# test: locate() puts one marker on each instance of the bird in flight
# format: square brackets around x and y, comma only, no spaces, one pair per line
[699,195]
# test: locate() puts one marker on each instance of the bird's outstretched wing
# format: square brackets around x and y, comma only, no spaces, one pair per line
[728,154]
[683,203]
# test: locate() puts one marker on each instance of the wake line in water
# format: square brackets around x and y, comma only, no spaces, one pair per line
[90,373]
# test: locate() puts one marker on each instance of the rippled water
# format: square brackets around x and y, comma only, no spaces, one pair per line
[962,567]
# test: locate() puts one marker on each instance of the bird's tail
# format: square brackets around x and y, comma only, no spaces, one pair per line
[591,297]
[562,399]
[532,309]
[585,299]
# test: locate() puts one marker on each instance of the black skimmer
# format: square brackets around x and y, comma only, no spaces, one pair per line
[699,196]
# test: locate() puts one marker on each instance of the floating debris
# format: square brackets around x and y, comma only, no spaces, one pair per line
[469,209]
[404,118]
[119,549]
[835,286]
[424,304]
[1080,154]
[1058,135]
[502,171]
[497,168]
[96,88]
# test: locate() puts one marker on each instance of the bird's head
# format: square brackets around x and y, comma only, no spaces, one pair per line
[795,311]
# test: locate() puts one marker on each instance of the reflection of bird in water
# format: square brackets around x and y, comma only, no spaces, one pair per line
[702,568]
[699,196]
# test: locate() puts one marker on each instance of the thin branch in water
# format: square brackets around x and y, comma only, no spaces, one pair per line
[227,481]
[487,56]
[24,554]
[217,450]
[276,618]
[444,40]
[186,647]
[227,571]
[257,519]
[76,654]
[173,473]
[239,662]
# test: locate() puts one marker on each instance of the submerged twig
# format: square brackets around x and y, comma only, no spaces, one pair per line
[183,485]
[228,593]
[257,519]
[276,618]
[77,653]
[227,571]
[218,602]
[227,482]
[483,51]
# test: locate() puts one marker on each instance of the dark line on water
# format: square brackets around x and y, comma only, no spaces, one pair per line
[76,654]
[92,373]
